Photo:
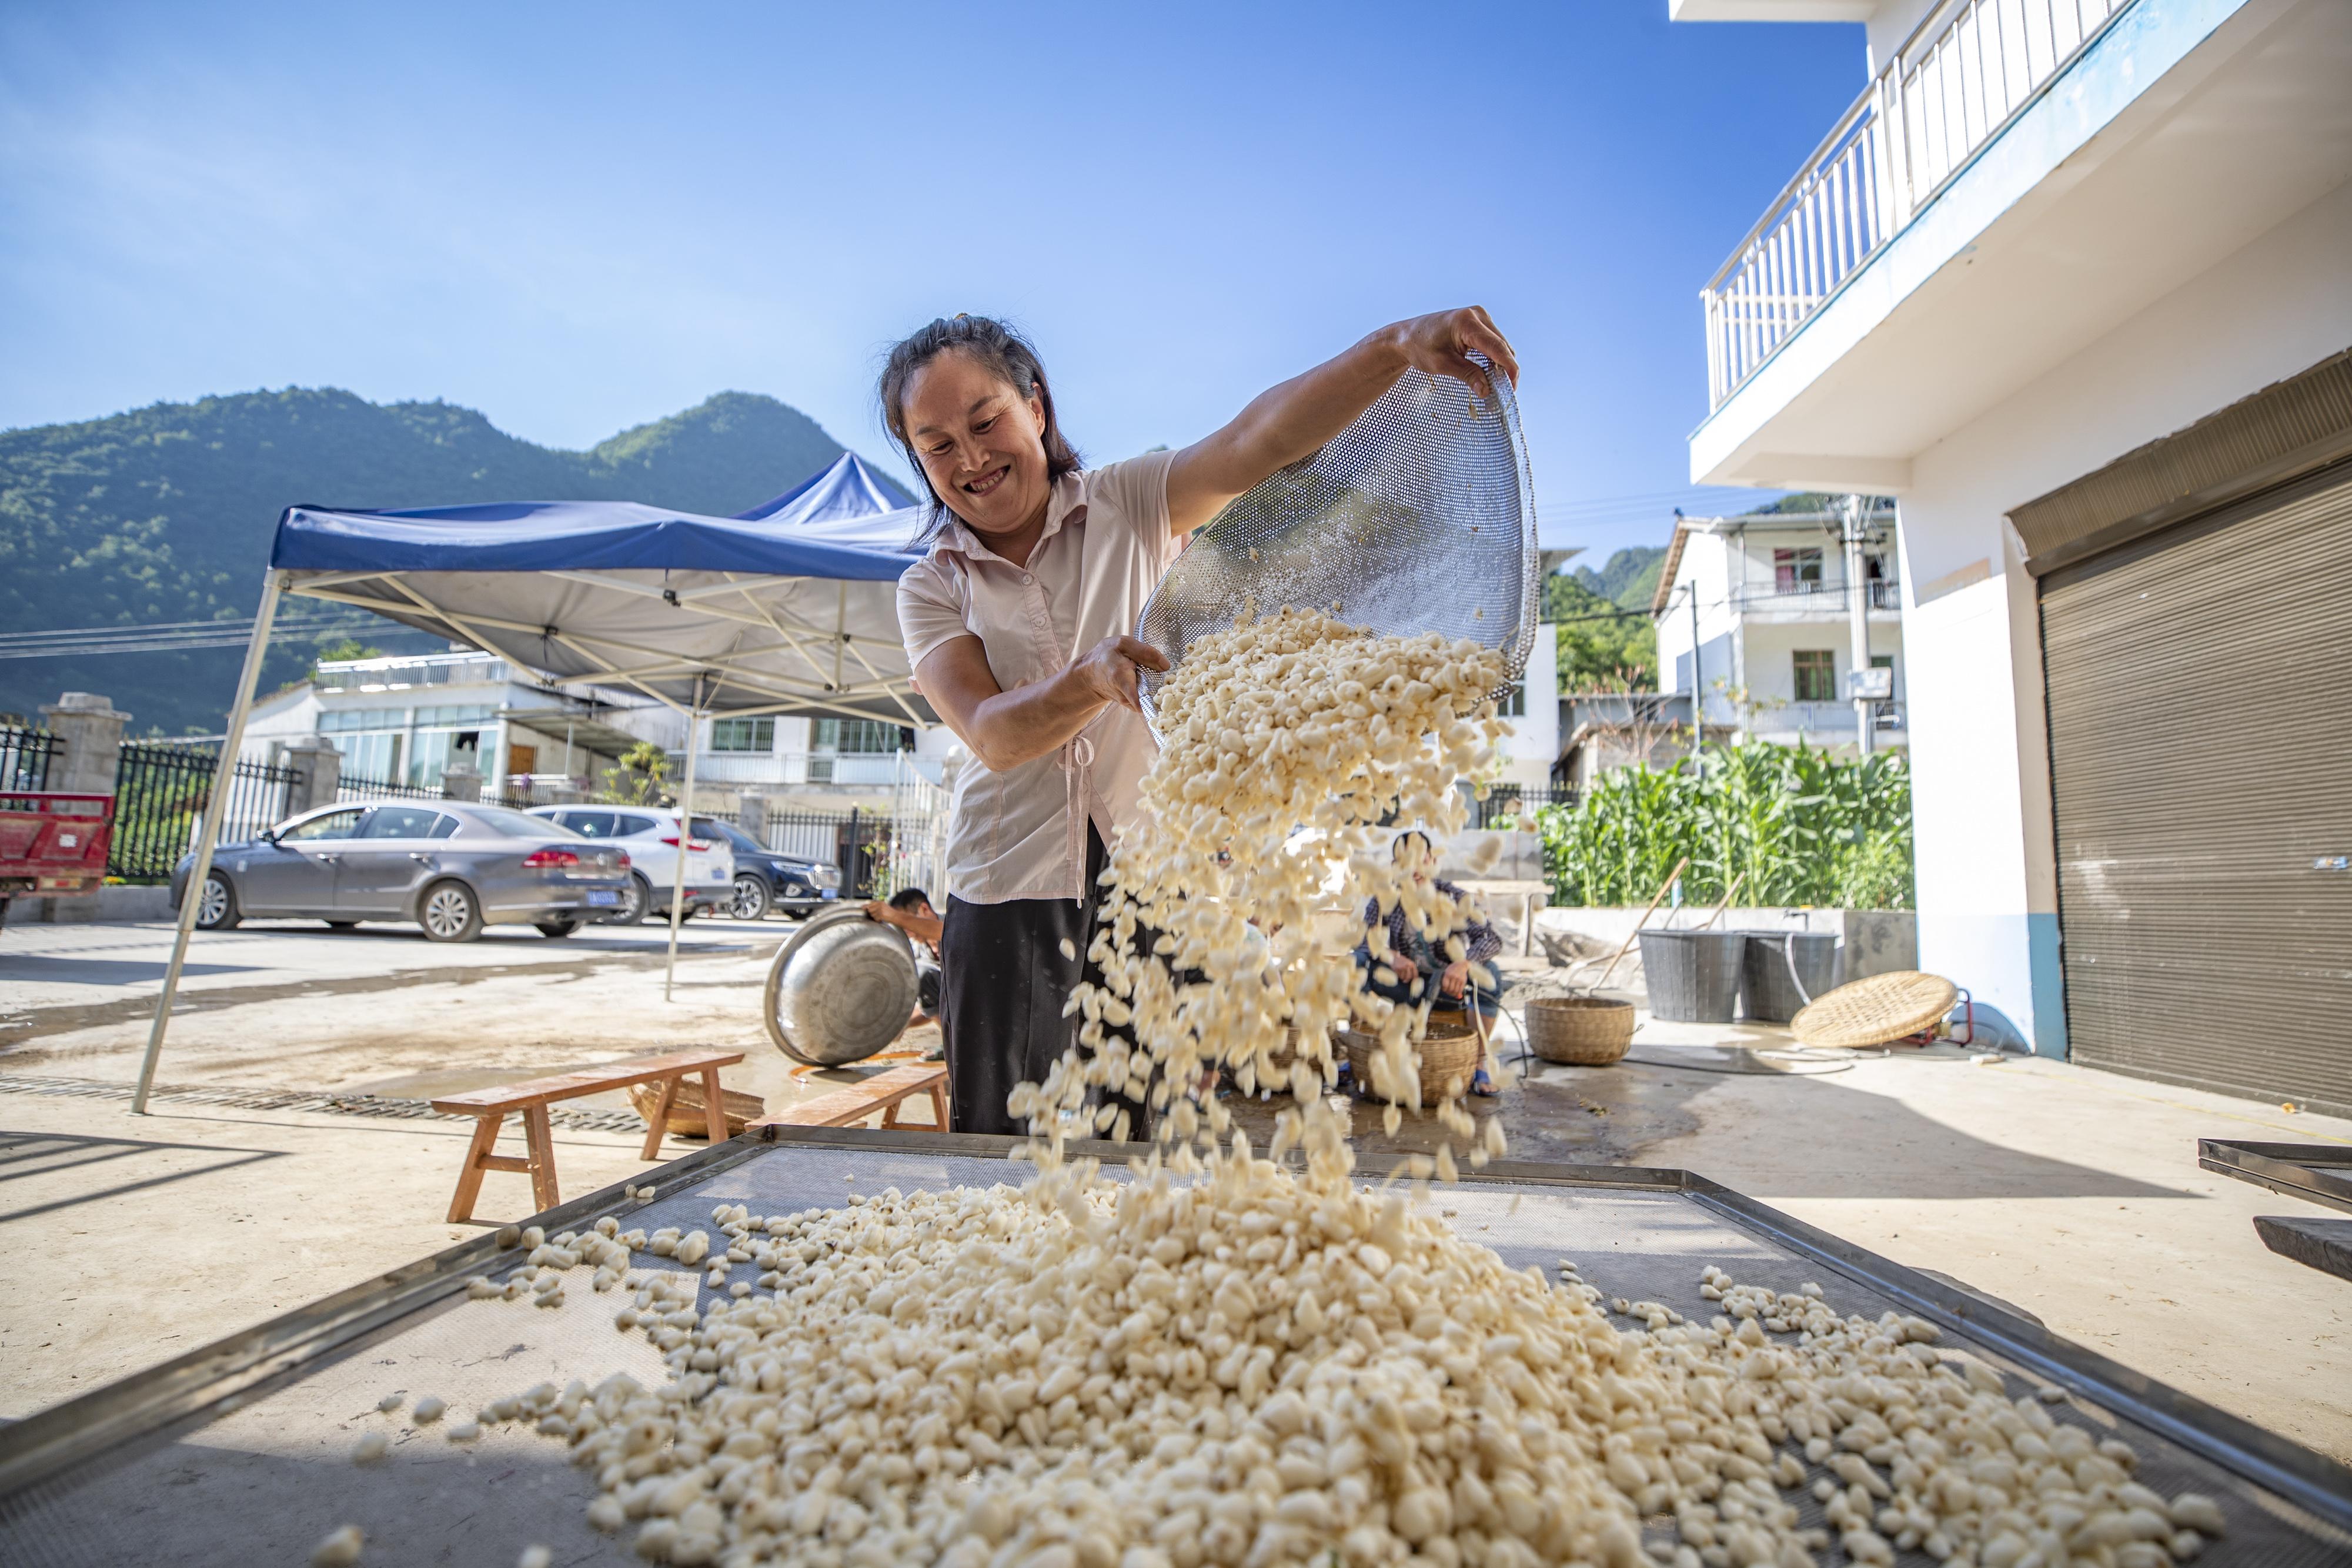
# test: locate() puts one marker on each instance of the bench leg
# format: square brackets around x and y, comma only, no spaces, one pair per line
[940,1105]
[714,1107]
[539,1138]
[470,1179]
[890,1114]
[658,1122]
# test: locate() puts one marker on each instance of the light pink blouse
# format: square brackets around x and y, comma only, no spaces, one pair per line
[1022,832]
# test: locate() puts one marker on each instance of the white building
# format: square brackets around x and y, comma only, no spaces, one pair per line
[405,719]
[1765,602]
[2073,281]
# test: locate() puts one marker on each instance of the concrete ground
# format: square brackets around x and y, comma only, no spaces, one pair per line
[2072,1193]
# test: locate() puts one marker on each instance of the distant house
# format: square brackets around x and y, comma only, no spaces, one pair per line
[1754,614]
[2072,280]
[405,719]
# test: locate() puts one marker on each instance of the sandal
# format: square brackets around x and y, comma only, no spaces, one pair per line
[1482,1086]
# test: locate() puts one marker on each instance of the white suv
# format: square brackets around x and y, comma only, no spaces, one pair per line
[651,835]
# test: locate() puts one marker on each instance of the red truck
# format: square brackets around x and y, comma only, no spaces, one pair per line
[52,846]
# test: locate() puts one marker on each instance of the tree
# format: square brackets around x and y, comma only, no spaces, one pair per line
[1603,646]
[641,779]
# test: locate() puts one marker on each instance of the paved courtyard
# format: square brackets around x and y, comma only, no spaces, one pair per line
[2072,1193]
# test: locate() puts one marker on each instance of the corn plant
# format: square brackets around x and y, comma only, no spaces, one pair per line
[1801,826]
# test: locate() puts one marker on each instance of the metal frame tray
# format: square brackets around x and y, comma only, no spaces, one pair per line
[267,1413]
[2316,1173]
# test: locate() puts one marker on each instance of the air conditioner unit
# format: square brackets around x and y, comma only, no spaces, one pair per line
[1876,684]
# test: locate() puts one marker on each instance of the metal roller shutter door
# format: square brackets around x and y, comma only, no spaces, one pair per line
[2199,688]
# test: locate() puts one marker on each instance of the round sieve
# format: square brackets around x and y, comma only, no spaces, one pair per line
[1419,516]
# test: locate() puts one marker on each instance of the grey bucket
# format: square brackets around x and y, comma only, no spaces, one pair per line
[1768,992]
[1693,976]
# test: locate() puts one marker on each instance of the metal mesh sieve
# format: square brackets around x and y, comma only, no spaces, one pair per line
[1419,516]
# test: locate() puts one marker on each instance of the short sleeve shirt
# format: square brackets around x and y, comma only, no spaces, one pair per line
[1022,832]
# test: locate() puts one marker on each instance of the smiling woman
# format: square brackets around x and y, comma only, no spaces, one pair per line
[1017,623]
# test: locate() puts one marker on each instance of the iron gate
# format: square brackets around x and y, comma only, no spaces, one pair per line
[161,788]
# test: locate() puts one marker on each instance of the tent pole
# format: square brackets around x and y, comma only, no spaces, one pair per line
[215,805]
[685,836]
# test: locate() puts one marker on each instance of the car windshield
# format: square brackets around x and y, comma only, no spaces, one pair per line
[518,824]
[729,832]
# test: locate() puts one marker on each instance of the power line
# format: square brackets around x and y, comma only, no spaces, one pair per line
[173,636]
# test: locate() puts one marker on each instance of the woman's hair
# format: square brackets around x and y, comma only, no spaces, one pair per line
[999,350]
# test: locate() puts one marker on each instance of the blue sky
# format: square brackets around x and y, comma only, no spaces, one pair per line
[579,218]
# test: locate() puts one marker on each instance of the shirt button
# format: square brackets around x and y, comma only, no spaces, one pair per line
[1025,578]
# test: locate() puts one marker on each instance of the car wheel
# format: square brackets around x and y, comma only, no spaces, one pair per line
[216,910]
[556,930]
[636,899]
[449,912]
[751,899]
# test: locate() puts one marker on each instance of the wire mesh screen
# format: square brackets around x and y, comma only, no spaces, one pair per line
[1419,516]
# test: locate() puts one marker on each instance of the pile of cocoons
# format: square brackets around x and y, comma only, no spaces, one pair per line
[1223,1359]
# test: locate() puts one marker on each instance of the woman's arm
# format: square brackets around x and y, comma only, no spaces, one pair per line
[1005,729]
[1291,421]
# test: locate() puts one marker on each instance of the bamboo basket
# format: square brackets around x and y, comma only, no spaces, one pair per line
[1580,1031]
[686,1119]
[1448,1057]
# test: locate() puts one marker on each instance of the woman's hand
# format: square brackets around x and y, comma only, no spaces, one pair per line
[1441,344]
[1456,978]
[1407,971]
[1111,670]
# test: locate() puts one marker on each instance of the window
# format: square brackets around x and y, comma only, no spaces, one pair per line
[858,735]
[334,825]
[742,735]
[401,822]
[1514,703]
[1797,571]
[623,826]
[588,824]
[1816,675]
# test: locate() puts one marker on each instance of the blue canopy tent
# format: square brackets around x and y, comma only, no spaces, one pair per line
[846,502]
[749,615]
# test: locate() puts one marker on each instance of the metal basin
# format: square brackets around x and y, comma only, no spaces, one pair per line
[841,990]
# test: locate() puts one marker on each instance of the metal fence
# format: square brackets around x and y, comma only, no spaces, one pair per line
[1506,804]
[353,787]
[25,758]
[1968,69]
[160,792]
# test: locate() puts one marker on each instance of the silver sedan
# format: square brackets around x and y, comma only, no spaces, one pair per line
[450,866]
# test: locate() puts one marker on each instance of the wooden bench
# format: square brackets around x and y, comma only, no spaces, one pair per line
[884,1092]
[491,1107]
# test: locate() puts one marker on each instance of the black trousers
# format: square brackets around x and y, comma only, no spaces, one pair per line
[1002,985]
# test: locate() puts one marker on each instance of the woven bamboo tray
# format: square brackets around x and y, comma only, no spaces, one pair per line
[1580,1031]
[686,1120]
[1448,1057]
[1875,1009]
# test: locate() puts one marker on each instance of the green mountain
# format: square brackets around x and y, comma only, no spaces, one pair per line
[1628,579]
[164,513]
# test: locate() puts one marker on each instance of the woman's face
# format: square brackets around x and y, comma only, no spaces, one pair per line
[982,444]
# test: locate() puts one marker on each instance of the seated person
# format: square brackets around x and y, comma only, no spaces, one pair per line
[910,909]
[1418,958]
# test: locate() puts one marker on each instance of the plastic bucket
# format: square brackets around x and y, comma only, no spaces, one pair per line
[1767,992]
[1694,976]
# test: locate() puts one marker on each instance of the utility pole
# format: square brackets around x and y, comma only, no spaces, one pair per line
[1857,623]
[1699,691]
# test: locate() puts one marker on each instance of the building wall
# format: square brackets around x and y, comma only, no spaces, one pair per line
[1533,745]
[1986,847]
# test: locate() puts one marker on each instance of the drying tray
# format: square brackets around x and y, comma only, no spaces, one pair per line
[2316,1173]
[240,1452]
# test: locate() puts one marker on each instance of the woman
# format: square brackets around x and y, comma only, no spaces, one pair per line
[1016,626]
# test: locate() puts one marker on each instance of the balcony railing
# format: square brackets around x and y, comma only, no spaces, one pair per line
[799,769]
[1816,598]
[1969,68]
